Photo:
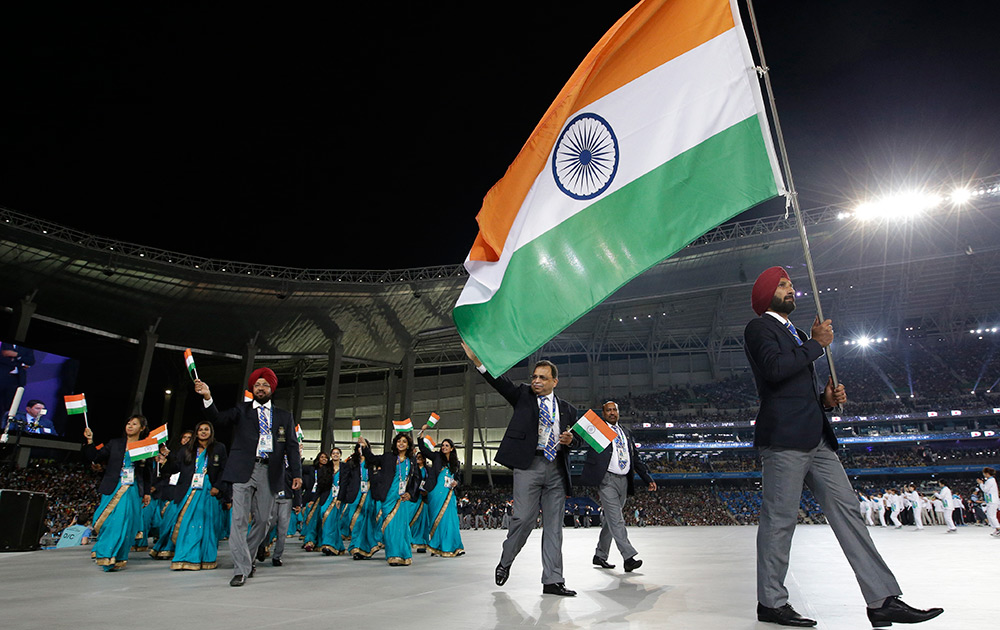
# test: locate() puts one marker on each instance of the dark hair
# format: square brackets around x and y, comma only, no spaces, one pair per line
[191,448]
[552,367]
[318,455]
[143,424]
[989,470]
[33,402]
[409,443]
[452,460]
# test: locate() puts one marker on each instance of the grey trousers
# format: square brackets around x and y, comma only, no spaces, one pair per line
[541,484]
[281,515]
[612,492]
[253,498]
[784,471]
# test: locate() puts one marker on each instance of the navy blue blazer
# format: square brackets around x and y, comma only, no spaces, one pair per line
[520,440]
[216,462]
[246,434]
[596,464]
[791,411]
[383,481]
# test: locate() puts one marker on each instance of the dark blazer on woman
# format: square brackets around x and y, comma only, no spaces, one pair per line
[113,455]
[217,458]
[387,475]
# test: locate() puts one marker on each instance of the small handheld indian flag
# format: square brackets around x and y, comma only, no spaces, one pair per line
[77,403]
[159,434]
[143,449]
[429,442]
[433,420]
[299,435]
[189,362]
[594,430]
[355,428]
[247,396]
[402,426]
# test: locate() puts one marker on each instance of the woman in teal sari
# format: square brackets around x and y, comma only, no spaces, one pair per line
[322,482]
[398,492]
[124,492]
[420,522]
[331,543]
[445,539]
[358,517]
[195,534]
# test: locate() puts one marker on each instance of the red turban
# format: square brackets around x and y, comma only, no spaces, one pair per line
[263,373]
[764,288]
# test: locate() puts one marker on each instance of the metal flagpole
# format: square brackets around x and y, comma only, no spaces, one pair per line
[793,197]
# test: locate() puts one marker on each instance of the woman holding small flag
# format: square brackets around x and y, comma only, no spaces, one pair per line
[195,535]
[444,536]
[358,519]
[330,540]
[398,491]
[420,522]
[124,491]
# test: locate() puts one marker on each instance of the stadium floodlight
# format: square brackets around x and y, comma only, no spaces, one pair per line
[960,196]
[901,206]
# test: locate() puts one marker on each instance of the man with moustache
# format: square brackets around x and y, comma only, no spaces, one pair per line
[797,445]
[263,436]
[612,471]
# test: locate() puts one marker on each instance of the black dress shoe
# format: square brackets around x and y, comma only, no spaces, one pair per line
[784,616]
[253,569]
[238,580]
[502,574]
[559,588]
[602,563]
[261,553]
[631,564]
[895,610]
[275,562]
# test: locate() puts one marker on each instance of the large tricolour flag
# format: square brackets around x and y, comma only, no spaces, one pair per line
[659,136]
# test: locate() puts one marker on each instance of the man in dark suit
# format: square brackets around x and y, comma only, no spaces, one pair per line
[263,436]
[536,447]
[612,471]
[797,445]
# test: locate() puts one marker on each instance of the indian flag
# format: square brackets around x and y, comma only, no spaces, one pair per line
[75,403]
[355,428]
[189,362]
[143,449]
[433,420]
[247,395]
[402,426]
[429,443]
[299,435]
[659,136]
[159,434]
[594,430]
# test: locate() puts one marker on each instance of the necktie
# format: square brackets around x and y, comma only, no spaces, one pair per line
[620,448]
[795,334]
[264,422]
[546,416]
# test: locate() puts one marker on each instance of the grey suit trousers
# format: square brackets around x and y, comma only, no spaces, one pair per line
[281,515]
[784,471]
[612,492]
[541,484]
[251,498]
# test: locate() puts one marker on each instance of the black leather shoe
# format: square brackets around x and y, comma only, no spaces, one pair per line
[784,616]
[238,580]
[253,569]
[275,562]
[559,588]
[895,610]
[261,553]
[631,564]
[502,574]
[602,563]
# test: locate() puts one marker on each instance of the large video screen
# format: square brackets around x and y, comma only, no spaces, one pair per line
[46,379]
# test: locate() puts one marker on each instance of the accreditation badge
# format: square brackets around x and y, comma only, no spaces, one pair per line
[128,476]
[265,444]
[364,487]
[198,481]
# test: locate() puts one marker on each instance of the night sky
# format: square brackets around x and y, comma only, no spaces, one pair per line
[367,137]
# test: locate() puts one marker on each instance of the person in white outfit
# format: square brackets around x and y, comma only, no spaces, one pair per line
[988,484]
[866,508]
[880,504]
[913,498]
[895,506]
[944,496]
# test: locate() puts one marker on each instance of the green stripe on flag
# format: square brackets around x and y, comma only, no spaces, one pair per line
[579,430]
[562,274]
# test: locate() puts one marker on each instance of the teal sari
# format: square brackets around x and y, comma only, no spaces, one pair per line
[195,534]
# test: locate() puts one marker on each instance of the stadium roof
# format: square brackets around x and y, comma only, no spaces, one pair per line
[938,273]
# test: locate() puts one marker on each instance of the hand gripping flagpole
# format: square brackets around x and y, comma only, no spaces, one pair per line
[792,197]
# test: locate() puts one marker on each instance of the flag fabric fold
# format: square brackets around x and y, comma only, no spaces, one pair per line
[75,403]
[142,449]
[594,430]
[433,420]
[659,136]
[189,362]
[429,443]
[159,434]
